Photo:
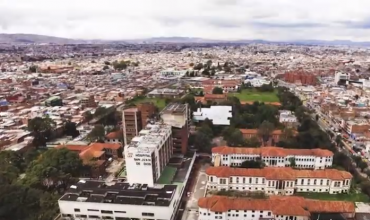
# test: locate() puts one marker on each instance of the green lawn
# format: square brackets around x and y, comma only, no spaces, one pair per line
[251,95]
[160,103]
[167,175]
[351,197]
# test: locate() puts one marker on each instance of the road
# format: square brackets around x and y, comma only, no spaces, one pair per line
[326,124]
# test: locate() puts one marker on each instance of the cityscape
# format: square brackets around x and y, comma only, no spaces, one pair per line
[254,124]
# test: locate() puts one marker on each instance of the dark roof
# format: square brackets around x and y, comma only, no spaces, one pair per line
[120,193]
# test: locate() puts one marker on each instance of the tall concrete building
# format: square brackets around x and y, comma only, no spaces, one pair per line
[148,154]
[178,117]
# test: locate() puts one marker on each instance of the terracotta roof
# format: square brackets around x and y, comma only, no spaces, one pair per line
[279,173]
[78,148]
[215,96]
[271,151]
[96,150]
[114,134]
[266,103]
[279,205]
[255,131]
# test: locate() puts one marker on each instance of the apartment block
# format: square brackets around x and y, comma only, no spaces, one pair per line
[278,181]
[148,154]
[272,208]
[178,117]
[273,156]
[300,77]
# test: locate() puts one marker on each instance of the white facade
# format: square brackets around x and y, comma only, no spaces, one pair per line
[341,76]
[278,181]
[277,208]
[148,154]
[257,82]
[273,156]
[171,73]
[219,115]
[287,117]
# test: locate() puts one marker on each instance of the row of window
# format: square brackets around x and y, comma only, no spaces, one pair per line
[288,184]
[111,212]
[287,191]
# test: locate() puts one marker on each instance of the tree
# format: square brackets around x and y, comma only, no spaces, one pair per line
[88,116]
[292,162]
[287,134]
[338,139]
[33,69]
[54,168]
[202,142]
[362,165]
[252,142]
[97,133]
[41,130]
[100,111]
[120,65]
[236,139]
[265,130]
[217,90]
[70,129]
[253,164]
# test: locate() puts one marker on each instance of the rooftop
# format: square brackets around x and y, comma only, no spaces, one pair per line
[272,151]
[279,205]
[120,193]
[279,173]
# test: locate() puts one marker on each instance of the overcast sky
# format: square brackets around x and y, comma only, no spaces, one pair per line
[212,19]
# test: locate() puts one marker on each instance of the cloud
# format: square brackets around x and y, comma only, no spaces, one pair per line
[214,19]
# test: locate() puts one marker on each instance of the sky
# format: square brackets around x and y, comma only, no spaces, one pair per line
[209,19]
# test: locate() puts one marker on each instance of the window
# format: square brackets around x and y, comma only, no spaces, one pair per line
[149,214]
[106,212]
[77,210]
[211,178]
[81,216]
[107,217]
[93,210]
[94,216]
[120,212]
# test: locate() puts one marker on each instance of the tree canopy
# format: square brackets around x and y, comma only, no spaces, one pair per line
[41,129]
[97,133]
[217,90]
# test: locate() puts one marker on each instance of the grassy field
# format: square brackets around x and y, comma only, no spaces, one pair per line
[351,197]
[251,95]
[160,103]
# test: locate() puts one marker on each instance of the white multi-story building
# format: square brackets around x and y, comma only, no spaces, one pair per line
[273,156]
[273,208]
[90,200]
[341,76]
[278,181]
[287,117]
[148,154]
[172,73]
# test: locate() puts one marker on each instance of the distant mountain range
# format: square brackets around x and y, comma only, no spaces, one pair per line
[38,39]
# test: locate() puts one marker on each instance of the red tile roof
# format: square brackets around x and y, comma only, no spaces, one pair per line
[279,173]
[271,151]
[279,205]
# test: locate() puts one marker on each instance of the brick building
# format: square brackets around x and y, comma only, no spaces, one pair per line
[300,77]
